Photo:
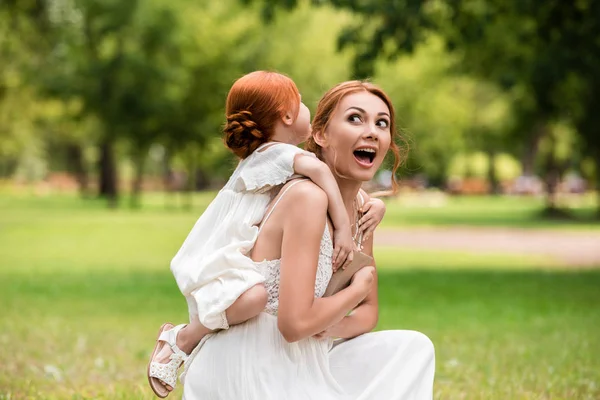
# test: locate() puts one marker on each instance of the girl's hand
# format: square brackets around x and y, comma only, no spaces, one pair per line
[373,212]
[343,246]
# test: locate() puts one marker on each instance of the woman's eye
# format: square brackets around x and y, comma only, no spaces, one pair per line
[383,123]
[354,118]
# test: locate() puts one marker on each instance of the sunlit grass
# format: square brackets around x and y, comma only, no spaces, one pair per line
[84,289]
[408,209]
[437,209]
[390,258]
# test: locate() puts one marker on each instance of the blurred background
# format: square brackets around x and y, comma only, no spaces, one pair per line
[110,148]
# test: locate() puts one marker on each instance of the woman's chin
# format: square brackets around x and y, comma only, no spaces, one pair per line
[364,170]
[361,174]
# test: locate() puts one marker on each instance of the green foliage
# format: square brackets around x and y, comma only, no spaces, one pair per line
[543,54]
[465,77]
[442,114]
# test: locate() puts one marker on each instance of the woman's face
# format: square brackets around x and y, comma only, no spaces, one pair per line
[358,136]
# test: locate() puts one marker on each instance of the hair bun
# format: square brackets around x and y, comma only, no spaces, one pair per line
[242,134]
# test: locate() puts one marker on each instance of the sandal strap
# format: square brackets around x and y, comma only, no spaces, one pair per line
[170,337]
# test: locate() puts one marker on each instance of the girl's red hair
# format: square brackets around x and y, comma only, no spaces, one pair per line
[254,104]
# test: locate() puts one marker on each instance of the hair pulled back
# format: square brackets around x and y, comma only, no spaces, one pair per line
[327,106]
[254,104]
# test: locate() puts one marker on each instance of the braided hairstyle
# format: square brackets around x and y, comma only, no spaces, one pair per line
[254,104]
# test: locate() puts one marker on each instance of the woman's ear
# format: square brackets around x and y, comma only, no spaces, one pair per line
[320,138]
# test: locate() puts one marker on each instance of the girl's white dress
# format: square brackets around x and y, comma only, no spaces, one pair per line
[252,361]
[211,267]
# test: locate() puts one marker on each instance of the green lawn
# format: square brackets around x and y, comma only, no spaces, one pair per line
[84,290]
[502,211]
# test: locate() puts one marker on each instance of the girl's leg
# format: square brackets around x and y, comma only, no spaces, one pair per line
[247,306]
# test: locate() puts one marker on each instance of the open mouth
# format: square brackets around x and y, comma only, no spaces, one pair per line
[365,156]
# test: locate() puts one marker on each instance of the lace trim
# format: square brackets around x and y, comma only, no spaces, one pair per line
[271,270]
[325,267]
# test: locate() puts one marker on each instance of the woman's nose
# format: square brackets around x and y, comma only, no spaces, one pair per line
[371,132]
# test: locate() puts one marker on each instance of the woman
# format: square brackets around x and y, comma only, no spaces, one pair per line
[287,352]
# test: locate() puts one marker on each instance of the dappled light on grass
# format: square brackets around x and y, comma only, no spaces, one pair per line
[390,258]
[84,290]
[414,209]
[502,335]
[497,333]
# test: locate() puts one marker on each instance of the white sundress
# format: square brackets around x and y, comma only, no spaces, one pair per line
[252,361]
[211,267]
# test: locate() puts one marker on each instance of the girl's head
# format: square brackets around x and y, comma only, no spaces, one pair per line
[353,129]
[260,106]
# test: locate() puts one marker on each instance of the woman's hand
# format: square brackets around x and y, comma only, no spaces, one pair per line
[363,280]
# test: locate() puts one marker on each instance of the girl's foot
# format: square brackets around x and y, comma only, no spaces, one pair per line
[166,359]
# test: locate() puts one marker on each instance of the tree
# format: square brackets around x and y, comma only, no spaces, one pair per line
[146,71]
[528,47]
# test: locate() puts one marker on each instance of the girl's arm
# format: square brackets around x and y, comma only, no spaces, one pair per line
[301,315]
[373,213]
[318,172]
[364,318]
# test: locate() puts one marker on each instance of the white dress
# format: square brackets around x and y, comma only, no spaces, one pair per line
[252,361]
[211,267]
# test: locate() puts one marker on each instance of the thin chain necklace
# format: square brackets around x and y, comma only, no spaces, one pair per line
[357,236]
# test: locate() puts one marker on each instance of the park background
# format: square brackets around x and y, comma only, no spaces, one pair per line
[110,149]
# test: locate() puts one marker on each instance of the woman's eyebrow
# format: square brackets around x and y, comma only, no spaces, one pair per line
[364,112]
[357,108]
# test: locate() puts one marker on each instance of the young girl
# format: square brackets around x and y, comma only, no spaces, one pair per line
[265,121]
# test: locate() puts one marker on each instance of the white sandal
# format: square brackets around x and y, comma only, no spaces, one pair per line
[165,372]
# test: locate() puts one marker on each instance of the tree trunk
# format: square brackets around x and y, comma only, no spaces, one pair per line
[492,173]
[191,182]
[531,149]
[551,179]
[108,173]
[77,166]
[136,185]
[551,182]
[597,161]
[168,179]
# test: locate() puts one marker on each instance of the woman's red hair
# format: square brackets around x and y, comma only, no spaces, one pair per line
[327,106]
[254,104]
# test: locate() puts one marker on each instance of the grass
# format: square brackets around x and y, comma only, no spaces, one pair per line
[84,290]
[406,210]
[502,211]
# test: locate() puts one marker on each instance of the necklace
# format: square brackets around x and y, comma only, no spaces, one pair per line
[357,236]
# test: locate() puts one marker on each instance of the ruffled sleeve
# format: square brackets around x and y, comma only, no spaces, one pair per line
[271,166]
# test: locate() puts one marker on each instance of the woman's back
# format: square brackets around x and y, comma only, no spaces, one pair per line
[270,264]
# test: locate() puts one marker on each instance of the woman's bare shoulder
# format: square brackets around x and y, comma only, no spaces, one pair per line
[306,194]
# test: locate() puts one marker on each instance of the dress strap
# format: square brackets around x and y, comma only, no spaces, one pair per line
[279,197]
